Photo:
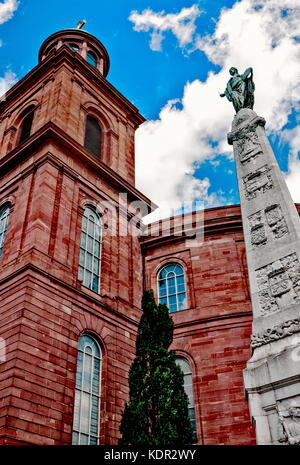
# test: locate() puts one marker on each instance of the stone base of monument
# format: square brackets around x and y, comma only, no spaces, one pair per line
[272,386]
[272,238]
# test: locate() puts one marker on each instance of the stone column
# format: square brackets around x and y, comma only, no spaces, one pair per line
[272,238]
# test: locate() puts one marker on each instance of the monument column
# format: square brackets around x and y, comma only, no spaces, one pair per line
[272,238]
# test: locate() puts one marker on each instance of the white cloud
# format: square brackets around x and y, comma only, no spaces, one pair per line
[292,179]
[265,40]
[6,82]
[181,24]
[253,33]
[293,176]
[7,9]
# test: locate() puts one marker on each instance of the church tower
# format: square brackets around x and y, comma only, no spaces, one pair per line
[71,266]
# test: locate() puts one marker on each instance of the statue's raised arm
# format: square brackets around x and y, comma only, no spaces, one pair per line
[240,89]
[249,71]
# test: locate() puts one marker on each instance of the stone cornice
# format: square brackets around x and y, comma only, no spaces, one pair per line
[52,132]
[109,304]
[244,127]
[219,223]
[65,56]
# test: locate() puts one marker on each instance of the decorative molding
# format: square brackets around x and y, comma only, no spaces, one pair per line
[244,127]
[248,147]
[277,332]
[276,221]
[257,182]
[288,411]
[278,284]
[267,224]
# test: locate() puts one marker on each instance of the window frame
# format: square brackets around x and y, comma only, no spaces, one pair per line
[5,211]
[78,392]
[167,295]
[27,114]
[84,251]
[95,57]
[185,374]
[97,155]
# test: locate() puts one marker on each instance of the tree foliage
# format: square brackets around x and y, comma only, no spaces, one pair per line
[157,411]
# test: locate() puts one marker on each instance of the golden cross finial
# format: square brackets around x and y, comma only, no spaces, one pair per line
[81,24]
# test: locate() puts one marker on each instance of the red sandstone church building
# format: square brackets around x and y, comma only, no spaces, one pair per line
[74,263]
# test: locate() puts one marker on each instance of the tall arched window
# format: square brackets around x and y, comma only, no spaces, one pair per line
[171,287]
[4,216]
[188,387]
[91,58]
[93,133]
[26,127]
[90,250]
[87,392]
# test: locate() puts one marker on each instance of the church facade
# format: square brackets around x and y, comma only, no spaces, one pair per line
[75,258]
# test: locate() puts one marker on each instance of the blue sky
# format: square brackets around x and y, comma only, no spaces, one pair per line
[171,59]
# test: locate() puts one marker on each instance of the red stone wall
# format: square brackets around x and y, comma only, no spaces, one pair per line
[44,309]
[214,332]
[66,96]
[41,321]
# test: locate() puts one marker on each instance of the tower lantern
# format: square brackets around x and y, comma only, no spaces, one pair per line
[80,42]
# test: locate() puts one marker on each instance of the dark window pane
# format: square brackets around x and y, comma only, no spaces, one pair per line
[182,304]
[92,141]
[95,283]
[162,288]
[73,47]
[178,270]
[171,286]
[91,59]
[4,215]
[26,127]
[97,248]
[83,240]
[173,308]
[163,301]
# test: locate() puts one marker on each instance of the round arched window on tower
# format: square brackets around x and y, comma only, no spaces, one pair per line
[26,126]
[93,135]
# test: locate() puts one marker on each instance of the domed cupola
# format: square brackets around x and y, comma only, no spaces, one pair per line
[79,41]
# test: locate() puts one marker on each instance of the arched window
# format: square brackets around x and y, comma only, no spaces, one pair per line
[87,392]
[92,140]
[188,387]
[50,49]
[91,58]
[4,216]
[73,47]
[26,127]
[90,250]
[171,287]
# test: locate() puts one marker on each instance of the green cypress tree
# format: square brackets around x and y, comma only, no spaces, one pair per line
[157,411]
